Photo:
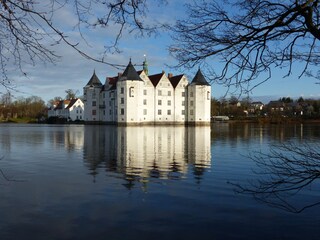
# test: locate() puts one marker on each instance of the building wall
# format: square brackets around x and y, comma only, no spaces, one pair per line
[180,101]
[148,99]
[91,104]
[135,102]
[76,112]
[163,103]
[129,99]
[199,103]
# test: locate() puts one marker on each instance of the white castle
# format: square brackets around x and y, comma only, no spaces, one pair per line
[134,98]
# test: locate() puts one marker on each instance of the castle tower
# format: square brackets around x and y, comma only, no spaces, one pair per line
[129,97]
[199,100]
[91,93]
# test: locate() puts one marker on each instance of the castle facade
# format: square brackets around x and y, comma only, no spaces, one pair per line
[134,98]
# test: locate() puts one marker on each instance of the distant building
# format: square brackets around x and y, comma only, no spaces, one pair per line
[276,106]
[256,106]
[71,109]
[138,98]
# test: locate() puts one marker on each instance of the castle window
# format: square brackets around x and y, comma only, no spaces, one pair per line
[144,111]
[94,112]
[169,102]
[122,111]
[169,112]
[122,101]
[145,92]
[191,103]
[183,103]
[94,103]
[208,95]
[159,112]
[169,93]
[183,112]
[191,112]
[122,90]
[131,92]
[144,101]
[159,93]
[159,102]
[183,94]
[191,94]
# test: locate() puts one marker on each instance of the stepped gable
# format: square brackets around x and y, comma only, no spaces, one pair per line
[130,74]
[94,81]
[155,79]
[175,80]
[199,79]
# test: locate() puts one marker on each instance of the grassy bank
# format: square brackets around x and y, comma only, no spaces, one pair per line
[19,120]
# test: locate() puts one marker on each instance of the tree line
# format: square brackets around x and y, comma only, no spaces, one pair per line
[284,106]
[33,108]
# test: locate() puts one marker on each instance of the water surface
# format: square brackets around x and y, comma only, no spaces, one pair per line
[107,182]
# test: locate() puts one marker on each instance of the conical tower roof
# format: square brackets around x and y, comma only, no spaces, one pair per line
[94,81]
[199,79]
[130,74]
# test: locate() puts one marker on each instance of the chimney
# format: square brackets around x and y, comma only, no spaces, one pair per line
[170,75]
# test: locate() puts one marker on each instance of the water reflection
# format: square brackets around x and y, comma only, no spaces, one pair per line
[143,152]
[235,133]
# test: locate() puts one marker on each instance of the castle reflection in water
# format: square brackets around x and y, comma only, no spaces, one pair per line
[148,151]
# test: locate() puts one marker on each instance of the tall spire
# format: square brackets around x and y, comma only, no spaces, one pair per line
[145,65]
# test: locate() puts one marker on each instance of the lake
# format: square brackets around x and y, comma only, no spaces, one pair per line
[108,182]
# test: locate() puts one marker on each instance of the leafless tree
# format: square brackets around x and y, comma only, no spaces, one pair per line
[247,39]
[283,173]
[29,31]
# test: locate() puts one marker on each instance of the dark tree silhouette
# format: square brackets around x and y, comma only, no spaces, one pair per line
[247,39]
[284,172]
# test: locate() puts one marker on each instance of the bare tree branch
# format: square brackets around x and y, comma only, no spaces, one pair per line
[247,39]
[29,33]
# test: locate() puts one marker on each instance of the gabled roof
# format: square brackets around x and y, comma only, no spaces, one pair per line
[62,104]
[72,102]
[94,81]
[112,82]
[155,79]
[175,80]
[130,74]
[199,79]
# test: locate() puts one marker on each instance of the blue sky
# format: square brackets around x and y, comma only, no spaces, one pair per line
[73,71]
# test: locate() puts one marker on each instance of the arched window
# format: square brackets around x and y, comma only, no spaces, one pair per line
[131,92]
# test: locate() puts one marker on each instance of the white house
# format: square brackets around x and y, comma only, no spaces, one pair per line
[71,109]
[139,98]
